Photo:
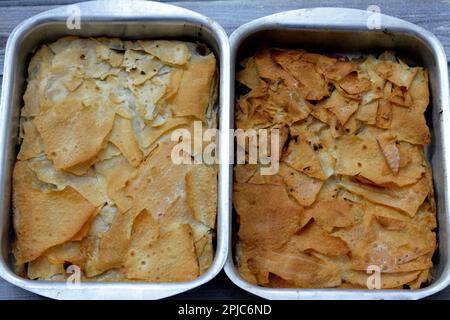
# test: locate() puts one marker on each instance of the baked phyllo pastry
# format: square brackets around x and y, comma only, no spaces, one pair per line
[352,203]
[94,184]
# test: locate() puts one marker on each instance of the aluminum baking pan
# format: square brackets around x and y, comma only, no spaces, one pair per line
[128,20]
[346,31]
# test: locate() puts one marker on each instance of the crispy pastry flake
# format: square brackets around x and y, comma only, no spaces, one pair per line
[94,184]
[353,189]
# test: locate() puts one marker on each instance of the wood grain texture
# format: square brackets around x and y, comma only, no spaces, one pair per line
[431,15]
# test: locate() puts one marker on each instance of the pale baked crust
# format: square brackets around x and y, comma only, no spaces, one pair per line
[94,184]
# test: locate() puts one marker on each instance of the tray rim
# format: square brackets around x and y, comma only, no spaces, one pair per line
[345,19]
[111,11]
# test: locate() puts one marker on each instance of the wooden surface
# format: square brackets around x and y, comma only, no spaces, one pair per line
[432,15]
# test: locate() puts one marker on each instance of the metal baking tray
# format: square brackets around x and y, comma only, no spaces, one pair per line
[346,31]
[127,20]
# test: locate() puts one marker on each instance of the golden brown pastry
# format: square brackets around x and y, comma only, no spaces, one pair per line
[353,189]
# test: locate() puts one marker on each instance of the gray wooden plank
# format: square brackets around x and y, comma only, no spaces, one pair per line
[23,3]
[10,292]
